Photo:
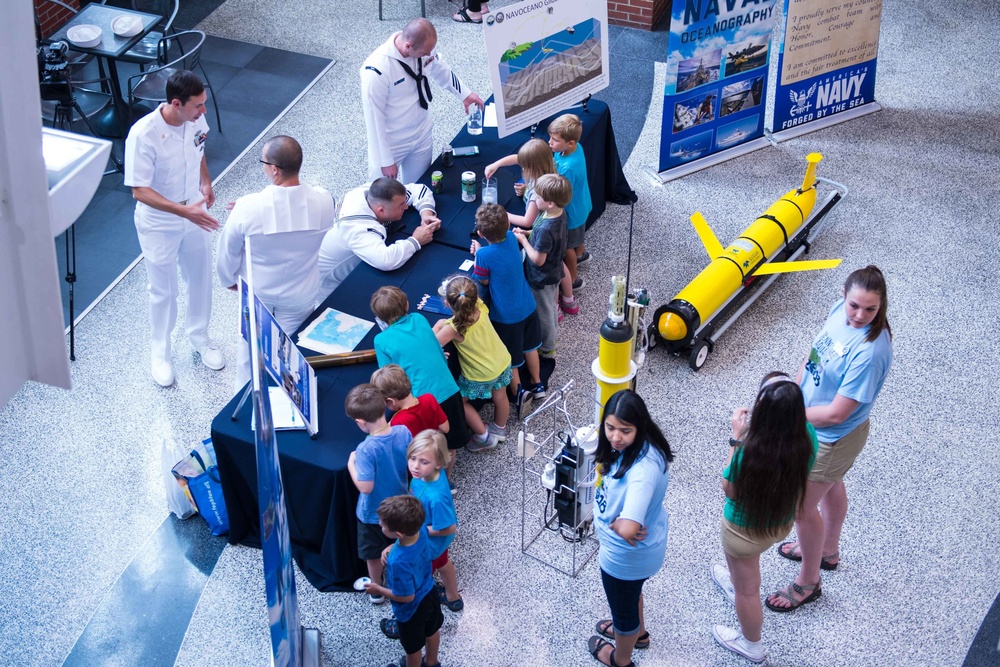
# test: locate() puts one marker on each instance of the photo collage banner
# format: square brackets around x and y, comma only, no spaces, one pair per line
[717,65]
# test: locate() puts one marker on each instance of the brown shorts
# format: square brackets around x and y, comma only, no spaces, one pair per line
[834,459]
[739,543]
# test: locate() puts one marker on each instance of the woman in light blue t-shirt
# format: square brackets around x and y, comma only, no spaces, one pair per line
[633,458]
[840,380]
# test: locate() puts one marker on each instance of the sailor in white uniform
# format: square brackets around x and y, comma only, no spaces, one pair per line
[395,95]
[360,232]
[165,167]
[286,223]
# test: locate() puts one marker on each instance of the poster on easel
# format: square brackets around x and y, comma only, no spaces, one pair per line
[717,71]
[826,65]
[544,56]
[284,362]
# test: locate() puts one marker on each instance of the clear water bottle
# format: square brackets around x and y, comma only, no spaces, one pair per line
[475,125]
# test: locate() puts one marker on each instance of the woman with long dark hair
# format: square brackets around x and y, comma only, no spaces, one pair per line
[633,459]
[770,453]
[840,380]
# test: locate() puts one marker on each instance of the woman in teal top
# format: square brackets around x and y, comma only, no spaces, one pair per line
[770,456]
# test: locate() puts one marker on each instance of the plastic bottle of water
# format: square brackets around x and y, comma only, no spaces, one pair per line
[475,125]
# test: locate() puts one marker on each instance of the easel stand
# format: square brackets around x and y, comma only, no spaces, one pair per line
[539,451]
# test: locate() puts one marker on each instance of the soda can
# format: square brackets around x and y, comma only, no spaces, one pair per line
[437,182]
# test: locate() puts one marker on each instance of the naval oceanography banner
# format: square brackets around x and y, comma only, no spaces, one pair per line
[544,56]
[717,64]
[826,64]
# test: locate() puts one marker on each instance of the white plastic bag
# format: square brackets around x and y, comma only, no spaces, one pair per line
[177,499]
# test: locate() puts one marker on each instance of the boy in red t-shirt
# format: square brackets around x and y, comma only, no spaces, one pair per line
[416,414]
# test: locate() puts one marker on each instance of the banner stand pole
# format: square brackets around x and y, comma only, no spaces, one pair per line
[812,126]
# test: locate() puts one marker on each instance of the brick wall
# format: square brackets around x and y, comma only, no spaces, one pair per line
[637,13]
[51,16]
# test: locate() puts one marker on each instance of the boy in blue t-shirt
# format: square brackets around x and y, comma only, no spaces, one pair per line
[564,140]
[409,584]
[500,269]
[378,468]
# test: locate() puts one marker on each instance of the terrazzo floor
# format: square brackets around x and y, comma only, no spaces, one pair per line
[81,472]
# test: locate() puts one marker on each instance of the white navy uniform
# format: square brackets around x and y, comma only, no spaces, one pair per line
[399,128]
[286,226]
[168,159]
[358,235]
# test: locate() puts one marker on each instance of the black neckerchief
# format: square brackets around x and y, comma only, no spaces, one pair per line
[423,92]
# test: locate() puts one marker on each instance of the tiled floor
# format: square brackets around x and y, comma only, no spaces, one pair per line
[81,476]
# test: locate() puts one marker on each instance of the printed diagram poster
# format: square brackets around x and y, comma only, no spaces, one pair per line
[544,56]
[716,77]
[828,59]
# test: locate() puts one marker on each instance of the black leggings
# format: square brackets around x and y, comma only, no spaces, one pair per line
[475,5]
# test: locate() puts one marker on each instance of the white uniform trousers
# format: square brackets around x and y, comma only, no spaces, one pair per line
[412,157]
[193,254]
[289,319]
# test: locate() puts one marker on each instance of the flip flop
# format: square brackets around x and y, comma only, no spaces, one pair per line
[794,552]
[464,17]
[604,628]
[786,593]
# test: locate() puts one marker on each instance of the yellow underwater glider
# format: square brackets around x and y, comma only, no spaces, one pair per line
[693,321]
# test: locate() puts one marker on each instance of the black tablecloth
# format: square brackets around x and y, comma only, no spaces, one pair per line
[319,493]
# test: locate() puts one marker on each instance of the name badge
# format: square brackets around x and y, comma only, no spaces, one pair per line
[839,349]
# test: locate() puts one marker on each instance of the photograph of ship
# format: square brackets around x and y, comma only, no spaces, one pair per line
[747,55]
[742,95]
[534,72]
[691,148]
[737,132]
[699,70]
[695,110]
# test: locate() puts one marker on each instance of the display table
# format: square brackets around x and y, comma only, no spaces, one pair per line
[319,493]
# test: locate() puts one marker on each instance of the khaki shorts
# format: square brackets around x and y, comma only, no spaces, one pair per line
[834,459]
[739,543]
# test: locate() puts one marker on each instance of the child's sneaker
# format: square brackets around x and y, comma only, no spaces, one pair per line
[569,306]
[478,445]
[375,599]
[537,391]
[722,579]
[585,257]
[578,283]
[389,627]
[453,605]
[523,396]
[499,432]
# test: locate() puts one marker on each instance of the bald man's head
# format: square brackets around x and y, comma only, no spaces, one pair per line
[285,153]
[420,33]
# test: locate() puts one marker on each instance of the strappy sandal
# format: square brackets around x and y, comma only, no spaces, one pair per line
[595,644]
[462,16]
[605,629]
[814,592]
[794,552]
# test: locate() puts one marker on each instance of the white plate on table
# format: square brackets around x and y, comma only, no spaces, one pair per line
[126,25]
[84,35]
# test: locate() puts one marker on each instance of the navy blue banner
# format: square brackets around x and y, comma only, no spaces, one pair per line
[717,65]
[827,60]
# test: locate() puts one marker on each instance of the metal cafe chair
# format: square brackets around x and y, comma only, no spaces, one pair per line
[74,59]
[185,50]
[145,51]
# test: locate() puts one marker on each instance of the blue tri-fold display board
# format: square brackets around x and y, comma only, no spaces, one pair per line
[717,69]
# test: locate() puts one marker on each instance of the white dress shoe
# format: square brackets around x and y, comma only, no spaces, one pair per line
[212,357]
[163,373]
